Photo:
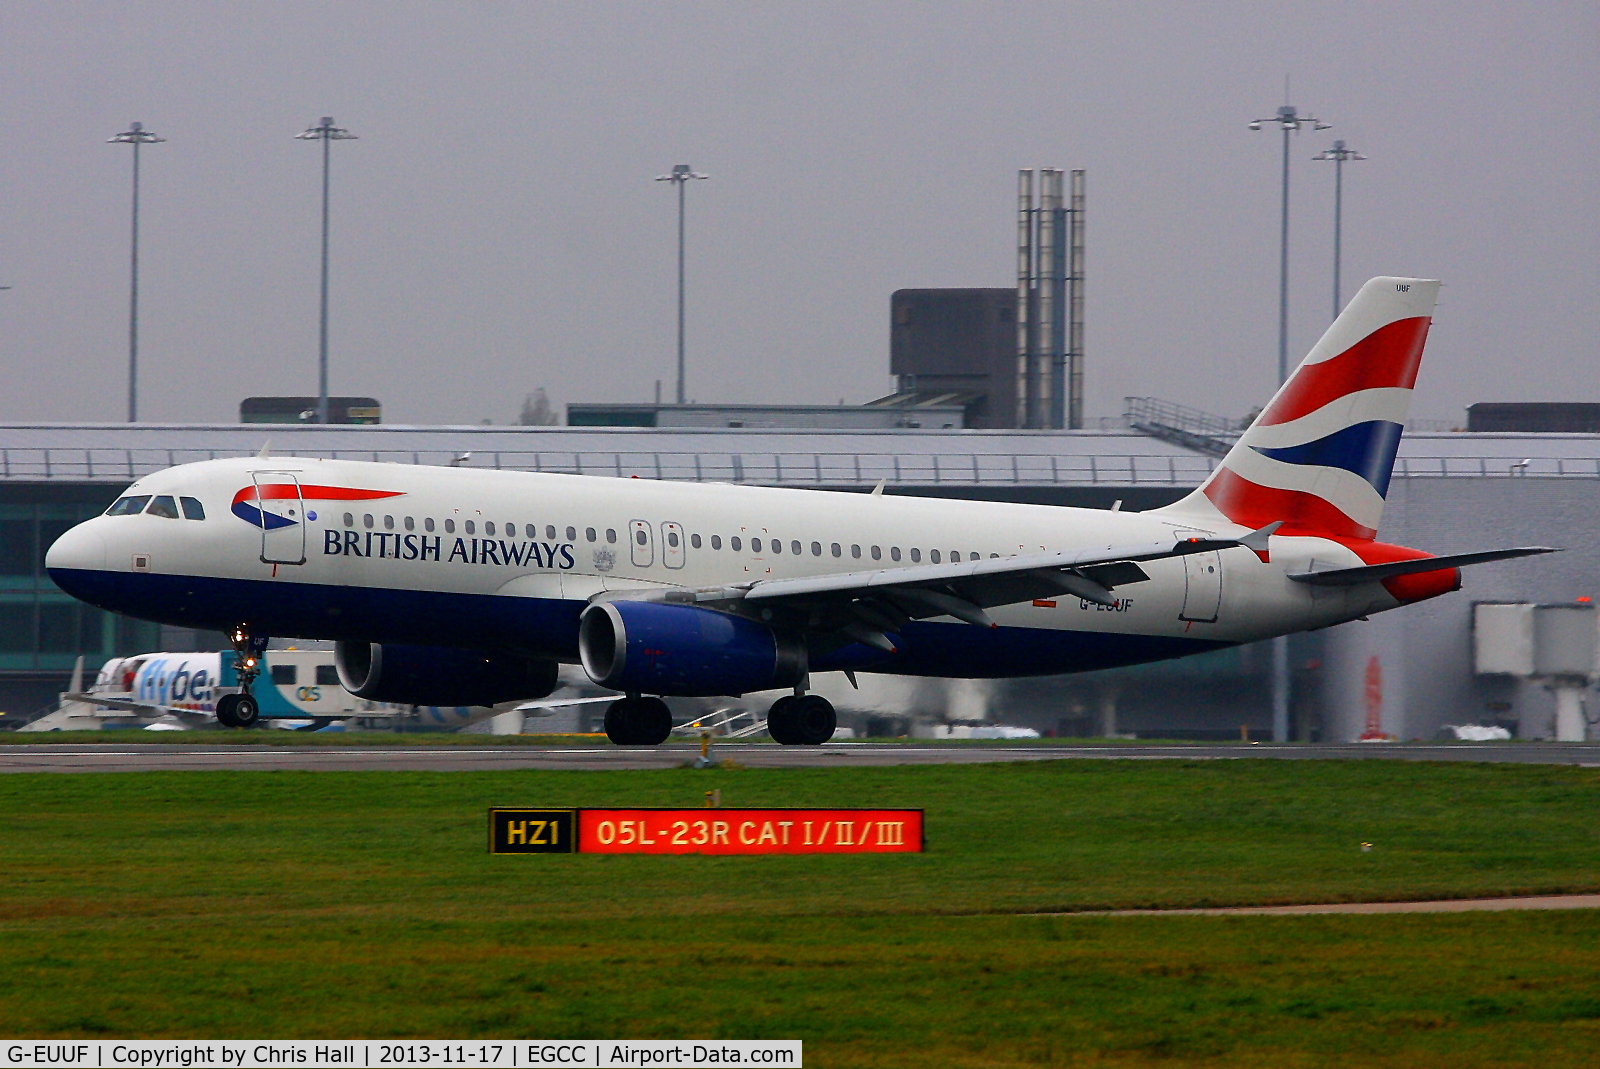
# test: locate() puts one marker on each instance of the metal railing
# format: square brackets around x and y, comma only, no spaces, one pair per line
[774,468]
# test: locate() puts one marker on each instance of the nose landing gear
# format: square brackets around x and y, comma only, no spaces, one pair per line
[638,721]
[241,710]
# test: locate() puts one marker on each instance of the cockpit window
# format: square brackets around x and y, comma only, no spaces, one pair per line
[163,506]
[192,509]
[128,506]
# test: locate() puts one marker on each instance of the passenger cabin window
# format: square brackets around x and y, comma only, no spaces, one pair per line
[733,543]
[449,526]
[933,555]
[285,675]
[836,550]
[163,506]
[588,532]
[916,556]
[327,675]
[192,509]
[611,535]
[128,506]
[894,552]
[550,532]
[672,539]
[572,535]
[855,551]
[877,554]
[794,547]
[411,525]
[511,530]
[427,524]
[716,541]
[472,528]
[349,520]
[694,540]
[816,549]
[488,528]
[388,523]
[366,521]
[755,545]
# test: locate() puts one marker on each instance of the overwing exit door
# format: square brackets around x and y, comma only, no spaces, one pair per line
[280,512]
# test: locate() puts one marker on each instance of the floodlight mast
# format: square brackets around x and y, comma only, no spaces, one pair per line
[1289,121]
[1340,155]
[325,132]
[680,176]
[134,135]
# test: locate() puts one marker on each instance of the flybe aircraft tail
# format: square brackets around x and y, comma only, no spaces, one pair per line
[1319,456]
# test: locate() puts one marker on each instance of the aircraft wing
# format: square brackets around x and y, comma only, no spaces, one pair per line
[548,708]
[134,708]
[863,606]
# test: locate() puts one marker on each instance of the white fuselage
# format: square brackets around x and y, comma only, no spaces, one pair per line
[453,556]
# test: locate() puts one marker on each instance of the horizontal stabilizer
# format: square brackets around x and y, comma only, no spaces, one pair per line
[1372,573]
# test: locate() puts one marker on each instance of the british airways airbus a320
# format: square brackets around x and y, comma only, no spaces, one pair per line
[449,586]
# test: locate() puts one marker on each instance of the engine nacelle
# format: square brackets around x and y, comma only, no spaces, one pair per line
[439,675]
[653,648]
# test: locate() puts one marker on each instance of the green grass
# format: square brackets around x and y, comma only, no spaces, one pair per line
[341,904]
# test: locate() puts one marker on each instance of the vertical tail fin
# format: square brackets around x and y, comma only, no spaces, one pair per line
[1320,454]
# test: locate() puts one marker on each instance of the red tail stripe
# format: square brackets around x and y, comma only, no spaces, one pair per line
[1389,356]
[1252,505]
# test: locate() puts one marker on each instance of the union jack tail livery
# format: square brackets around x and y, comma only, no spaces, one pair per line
[1320,454]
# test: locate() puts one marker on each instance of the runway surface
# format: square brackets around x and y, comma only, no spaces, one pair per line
[201,756]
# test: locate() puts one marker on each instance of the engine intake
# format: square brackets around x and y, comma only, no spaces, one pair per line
[440,675]
[652,648]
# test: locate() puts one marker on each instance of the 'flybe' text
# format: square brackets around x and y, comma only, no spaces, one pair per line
[431,547]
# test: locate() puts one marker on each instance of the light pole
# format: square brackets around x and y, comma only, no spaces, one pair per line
[1289,121]
[327,133]
[134,135]
[680,176]
[1339,155]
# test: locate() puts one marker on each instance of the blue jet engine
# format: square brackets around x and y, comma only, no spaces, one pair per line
[645,647]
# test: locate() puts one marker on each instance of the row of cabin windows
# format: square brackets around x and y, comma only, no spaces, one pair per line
[163,505]
[773,546]
[509,530]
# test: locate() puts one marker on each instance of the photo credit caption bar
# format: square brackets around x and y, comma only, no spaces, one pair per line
[516,1054]
[706,831]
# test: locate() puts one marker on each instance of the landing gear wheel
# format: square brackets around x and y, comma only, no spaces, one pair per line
[638,721]
[652,721]
[780,721]
[246,712]
[238,711]
[813,720]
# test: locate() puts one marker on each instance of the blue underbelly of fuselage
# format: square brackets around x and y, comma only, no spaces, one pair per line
[549,627]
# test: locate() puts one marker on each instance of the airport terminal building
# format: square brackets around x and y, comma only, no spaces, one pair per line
[1408,672]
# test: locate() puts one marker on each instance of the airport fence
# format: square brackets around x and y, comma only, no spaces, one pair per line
[816,469]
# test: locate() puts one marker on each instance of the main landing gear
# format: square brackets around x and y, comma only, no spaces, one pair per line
[638,721]
[801,720]
[241,710]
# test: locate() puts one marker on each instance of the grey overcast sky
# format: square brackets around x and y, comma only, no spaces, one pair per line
[496,229]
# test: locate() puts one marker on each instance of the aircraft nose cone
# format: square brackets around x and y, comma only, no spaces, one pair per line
[80,549]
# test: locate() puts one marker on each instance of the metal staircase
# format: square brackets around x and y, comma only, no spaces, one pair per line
[1181,425]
